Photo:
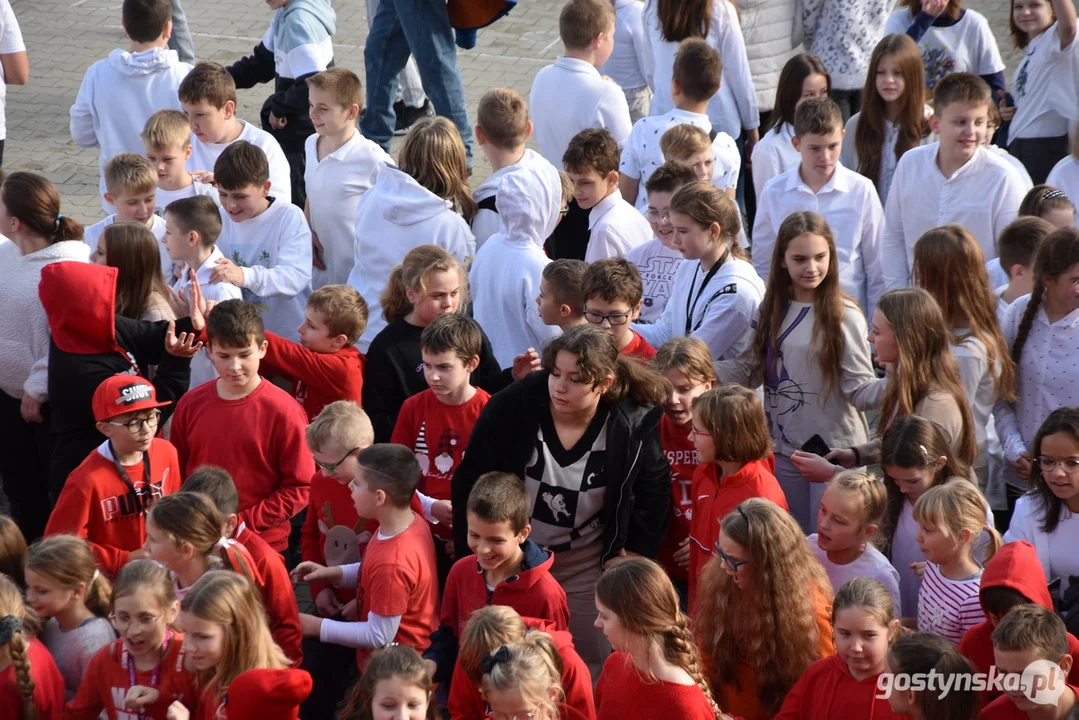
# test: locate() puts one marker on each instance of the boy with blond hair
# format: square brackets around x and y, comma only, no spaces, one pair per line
[120,93]
[131,188]
[341,165]
[502,129]
[208,97]
[325,366]
[167,140]
[711,161]
[560,299]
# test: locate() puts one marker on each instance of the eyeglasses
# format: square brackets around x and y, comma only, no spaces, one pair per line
[135,426]
[656,216]
[144,622]
[1069,466]
[523,715]
[694,432]
[330,469]
[597,318]
[732,563]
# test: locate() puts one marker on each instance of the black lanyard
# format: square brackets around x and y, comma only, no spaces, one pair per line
[140,505]
[690,309]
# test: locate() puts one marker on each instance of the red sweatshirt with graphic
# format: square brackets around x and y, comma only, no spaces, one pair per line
[318,379]
[682,457]
[277,594]
[260,440]
[97,504]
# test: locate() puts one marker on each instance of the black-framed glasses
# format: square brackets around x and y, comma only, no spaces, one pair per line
[1069,466]
[330,469]
[135,425]
[731,562]
[597,318]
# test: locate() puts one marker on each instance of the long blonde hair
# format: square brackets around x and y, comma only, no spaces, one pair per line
[412,274]
[772,623]
[231,601]
[955,506]
[69,561]
[434,156]
[12,617]
[532,666]
[641,594]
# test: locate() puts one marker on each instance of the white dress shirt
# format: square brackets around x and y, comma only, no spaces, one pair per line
[616,228]
[773,155]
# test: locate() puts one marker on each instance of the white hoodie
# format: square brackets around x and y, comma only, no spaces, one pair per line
[24,329]
[395,216]
[485,222]
[505,277]
[117,97]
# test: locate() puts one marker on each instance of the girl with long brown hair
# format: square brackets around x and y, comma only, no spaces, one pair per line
[893,118]
[809,350]
[31,687]
[764,610]
[141,292]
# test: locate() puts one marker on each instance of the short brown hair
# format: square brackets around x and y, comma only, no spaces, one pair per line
[668,177]
[1035,628]
[166,129]
[343,307]
[592,149]
[582,20]
[732,406]
[343,84]
[210,82]
[960,87]
[613,280]
[565,280]
[240,165]
[501,497]
[453,332]
[393,470]
[1019,240]
[342,423]
[818,116]
[131,172]
[698,69]
[197,214]
[144,20]
[683,141]
[503,117]
[234,324]
[689,356]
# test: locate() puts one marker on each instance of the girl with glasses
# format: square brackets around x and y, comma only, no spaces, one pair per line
[764,614]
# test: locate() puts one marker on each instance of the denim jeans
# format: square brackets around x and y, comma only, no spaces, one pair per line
[181,40]
[427,35]
[409,87]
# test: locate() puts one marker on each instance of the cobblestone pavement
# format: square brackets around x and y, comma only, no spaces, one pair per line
[65,36]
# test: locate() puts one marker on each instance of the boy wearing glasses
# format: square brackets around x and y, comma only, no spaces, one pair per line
[106,498]
[612,300]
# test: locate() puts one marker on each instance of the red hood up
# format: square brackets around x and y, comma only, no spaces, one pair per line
[80,302]
[1016,566]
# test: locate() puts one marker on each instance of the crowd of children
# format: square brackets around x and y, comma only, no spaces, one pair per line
[682,415]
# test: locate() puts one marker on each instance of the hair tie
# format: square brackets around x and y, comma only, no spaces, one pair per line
[9,625]
[489,662]
[925,454]
[224,543]
[95,577]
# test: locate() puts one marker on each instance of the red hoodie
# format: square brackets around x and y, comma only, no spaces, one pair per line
[278,596]
[714,497]
[827,691]
[48,695]
[318,379]
[267,695]
[1015,566]
[466,703]
[97,505]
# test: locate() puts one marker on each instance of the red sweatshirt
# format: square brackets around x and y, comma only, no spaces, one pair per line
[1004,709]
[97,504]
[827,691]
[682,457]
[105,682]
[714,497]
[260,440]
[1015,566]
[318,379]
[623,692]
[277,594]
[332,534]
[466,703]
[638,348]
[48,686]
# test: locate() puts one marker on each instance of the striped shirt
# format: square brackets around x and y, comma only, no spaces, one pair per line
[948,607]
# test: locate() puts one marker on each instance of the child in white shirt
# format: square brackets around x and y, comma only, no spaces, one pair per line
[502,129]
[505,276]
[131,187]
[265,241]
[846,200]
[951,181]
[591,161]
[630,62]
[571,95]
[208,96]
[167,139]
[192,227]
[120,93]
[341,166]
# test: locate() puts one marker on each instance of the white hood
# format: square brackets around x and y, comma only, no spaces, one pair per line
[489,187]
[405,201]
[529,200]
[146,62]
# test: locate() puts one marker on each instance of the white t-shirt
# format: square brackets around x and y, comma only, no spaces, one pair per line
[1044,88]
[202,368]
[204,155]
[657,264]
[164,197]
[10,42]
[870,564]
[966,46]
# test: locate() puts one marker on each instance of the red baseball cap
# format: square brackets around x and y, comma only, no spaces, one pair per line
[124,394]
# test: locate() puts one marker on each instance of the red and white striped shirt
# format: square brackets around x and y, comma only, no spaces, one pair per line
[948,607]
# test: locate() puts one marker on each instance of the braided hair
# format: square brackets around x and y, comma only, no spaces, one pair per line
[1056,253]
[12,614]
